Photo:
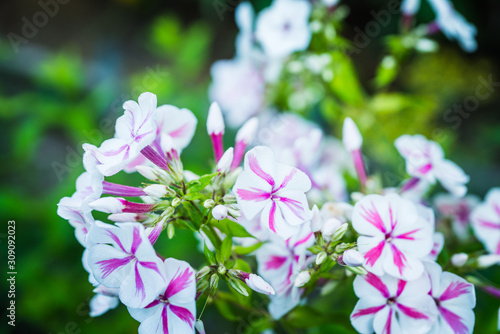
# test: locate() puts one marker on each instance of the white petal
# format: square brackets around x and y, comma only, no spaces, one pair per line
[364,312]
[181,279]
[109,266]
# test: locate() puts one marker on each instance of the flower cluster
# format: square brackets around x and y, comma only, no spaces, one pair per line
[302,202]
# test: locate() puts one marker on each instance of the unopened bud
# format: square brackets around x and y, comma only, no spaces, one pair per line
[156,190]
[209,203]
[302,278]
[317,220]
[238,286]
[199,326]
[176,201]
[320,258]
[170,231]
[221,270]
[339,234]
[330,227]
[340,248]
[353,258]
[203,272]
[358,270]
[459,259]
[485,261]
[229,199]
[219,212]
[214,282]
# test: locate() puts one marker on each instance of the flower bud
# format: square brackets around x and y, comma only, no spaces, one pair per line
[156,190]
[214,282]
[199,326]
[459,259]
[256,283]
[342,247]
[339,234]
[485,261]
[238,286]
[233,211]
[353,258]
[215,121]
[302,278]
[221,270]
[320,258]
[224,163]
[175,202]
[170,231]
[317,220]
[351,137]
[330,227]
[219,212]
[229,199]
[358,270]
[203,272]
[209,203]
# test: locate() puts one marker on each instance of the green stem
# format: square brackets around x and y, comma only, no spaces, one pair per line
[212,235]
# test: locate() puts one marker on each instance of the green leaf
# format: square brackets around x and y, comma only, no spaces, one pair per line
[305,317]
[240,250]
[386,72]
[200,184]
[229,227]
[226,248]
[242,265]
[345,84]
[209,255]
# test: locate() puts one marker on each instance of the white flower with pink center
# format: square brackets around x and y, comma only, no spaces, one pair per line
[174,309]
[458,210]
[486,221]
[390,305]
[455,298]
[279,262]
[394,237]
[283,27]
[135,130]
[274,190]
[121,256]
[425,161]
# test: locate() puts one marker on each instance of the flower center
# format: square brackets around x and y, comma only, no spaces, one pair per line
[391,301]
[388,238]
[163,299]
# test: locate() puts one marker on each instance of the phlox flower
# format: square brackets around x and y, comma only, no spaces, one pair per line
[134,131]
[458,210]
[394,237]
[455,298]
[105,299]
[390,305]
[174,309]
[273,190]
[279,262]
[76,209]
[121,257]
[486,221]
[425,160]
[282,28]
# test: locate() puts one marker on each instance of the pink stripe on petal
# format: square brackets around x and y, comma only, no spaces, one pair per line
[373,217]
[183,313]
[286,180]
[180,131]
[139,284]
[425,168]
[393,222]
[218,146]
[178,283]
[399,258]
[367,311]
[303,240]
[374,254]
[411,312]
[136,240]
[272,212]
[108,266]
[275,262]
[388,324]
[257,195]
[150,265]
[407,235]
[153,303]
[164,317]
[293,205]
[454,290]
[255,167]
[454,321]
[487,224]
[116,239]
[401,287]
[377,283]
[497,209]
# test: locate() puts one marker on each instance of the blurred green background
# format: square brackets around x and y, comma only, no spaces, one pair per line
[65,85]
